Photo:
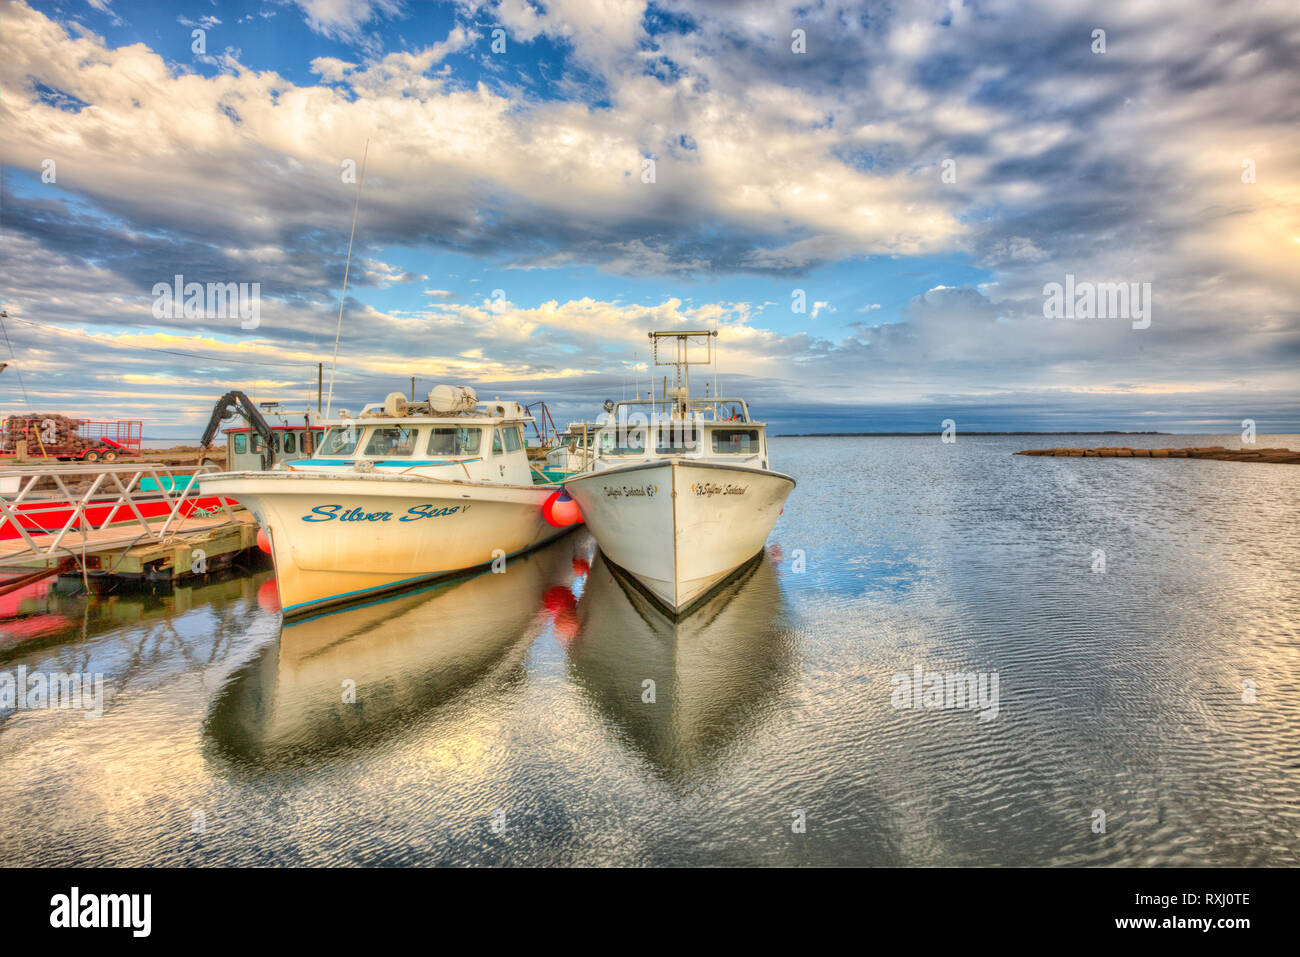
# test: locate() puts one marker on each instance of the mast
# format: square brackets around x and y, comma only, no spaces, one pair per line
[682,361]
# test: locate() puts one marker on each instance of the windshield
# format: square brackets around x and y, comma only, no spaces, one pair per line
[391,441]
[622,442]
[677,438]
[341,440]
[454,441]
[735,441]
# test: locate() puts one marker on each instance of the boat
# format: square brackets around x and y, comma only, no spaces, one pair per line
[405,493]
[269,432]
[573,452]
[680,495]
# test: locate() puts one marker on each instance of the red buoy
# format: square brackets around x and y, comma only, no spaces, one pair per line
[560,510]
[263,542]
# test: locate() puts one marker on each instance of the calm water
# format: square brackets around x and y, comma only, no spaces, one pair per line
[518,698]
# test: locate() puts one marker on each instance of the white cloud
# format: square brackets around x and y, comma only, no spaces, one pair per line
[344,19]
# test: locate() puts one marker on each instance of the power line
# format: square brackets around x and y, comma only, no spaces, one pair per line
[18,372]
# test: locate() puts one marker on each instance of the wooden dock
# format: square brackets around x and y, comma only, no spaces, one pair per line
[141,521]
[193,547]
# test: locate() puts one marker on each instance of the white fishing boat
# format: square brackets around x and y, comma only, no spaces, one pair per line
[404,493]
[574,451]
[680,494]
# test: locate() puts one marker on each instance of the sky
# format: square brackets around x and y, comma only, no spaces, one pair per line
[868,203]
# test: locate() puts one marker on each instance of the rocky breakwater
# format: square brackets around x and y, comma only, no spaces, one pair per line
[1216,452]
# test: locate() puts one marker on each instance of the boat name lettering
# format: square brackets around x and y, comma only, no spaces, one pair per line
[329,513]
[709,489]
[623,491]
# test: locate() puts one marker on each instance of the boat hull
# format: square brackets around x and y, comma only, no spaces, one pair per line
[680,527]
[342,538]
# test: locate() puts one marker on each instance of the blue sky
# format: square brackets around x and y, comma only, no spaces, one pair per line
[914,176]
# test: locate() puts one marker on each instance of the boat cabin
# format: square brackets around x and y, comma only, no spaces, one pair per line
[716,430]
[294,435]
[487,446]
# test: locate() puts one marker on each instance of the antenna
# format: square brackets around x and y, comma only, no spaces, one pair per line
[338,331]
[682,361]
[715,358]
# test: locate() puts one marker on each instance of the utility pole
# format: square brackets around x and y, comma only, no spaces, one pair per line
[320,374]
[412,388]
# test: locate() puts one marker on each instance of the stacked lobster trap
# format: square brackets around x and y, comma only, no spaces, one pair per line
[51,435]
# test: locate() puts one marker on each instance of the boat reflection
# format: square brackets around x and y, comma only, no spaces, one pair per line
[715,672]
[406,656]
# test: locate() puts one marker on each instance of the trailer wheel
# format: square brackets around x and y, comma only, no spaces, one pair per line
[91,456]
[110,456]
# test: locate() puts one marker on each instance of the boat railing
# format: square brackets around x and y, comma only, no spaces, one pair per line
[670,411]
[46,504]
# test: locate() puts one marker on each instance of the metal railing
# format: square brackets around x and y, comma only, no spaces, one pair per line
[22,499]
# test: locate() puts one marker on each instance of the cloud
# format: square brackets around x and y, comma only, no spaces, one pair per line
[246,153]
[344,19]
[1125,166]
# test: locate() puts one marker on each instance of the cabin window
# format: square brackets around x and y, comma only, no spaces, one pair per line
[735,441]
[677,439]
[290,443]
[513,442]
[455,441]
[257,442]
[275,441]
[496,441]
[391,441]
[342,441]
[622,442]
[241,444]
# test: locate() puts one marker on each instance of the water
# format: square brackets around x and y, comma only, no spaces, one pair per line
[517,699]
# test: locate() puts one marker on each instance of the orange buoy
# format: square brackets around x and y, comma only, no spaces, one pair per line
[560,510]
[263,542]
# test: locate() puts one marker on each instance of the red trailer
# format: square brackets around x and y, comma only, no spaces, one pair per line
[60,437]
